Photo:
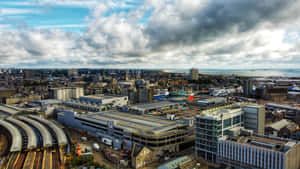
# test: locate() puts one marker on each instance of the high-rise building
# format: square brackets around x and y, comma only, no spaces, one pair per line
[194,74]
[248,88]
[215,123]
[142,94]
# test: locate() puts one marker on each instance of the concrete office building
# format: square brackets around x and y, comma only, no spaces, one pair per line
[66,93]
[123,130]
[215,123]
[257,151]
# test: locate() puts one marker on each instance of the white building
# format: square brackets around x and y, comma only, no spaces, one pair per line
[258,151]
[67,93]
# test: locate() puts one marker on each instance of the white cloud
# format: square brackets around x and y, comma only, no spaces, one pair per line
[16,11]
[178,34]
[4,26]
[61,26]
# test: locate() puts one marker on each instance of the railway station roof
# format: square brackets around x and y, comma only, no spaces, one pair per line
[16,136]
[47,139]
[32,138]
[60,134]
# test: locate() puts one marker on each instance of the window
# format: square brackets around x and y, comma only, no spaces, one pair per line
[227,123]
[236,120]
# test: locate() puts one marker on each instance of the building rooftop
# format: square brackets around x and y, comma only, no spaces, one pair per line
[102,96]
[282,106]
[134,123]
[211,100]
[267,142]
[225,111]
[48,101]
[280,124]
[220,112]
[180,161]
[149,106]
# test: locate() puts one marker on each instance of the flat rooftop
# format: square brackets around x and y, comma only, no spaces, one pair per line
[213,99]
[133,123]
[267,142]
[217,113]
[280,106]
[225,111]
[149,106]
[101,96]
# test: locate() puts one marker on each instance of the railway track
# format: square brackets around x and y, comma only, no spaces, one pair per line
[55,159]
[47,159]
[38,161]
[20,161]
[12,159]
[29,160]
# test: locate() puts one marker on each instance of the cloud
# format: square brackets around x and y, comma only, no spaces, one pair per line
[176,34]
[16,11]
[61,26]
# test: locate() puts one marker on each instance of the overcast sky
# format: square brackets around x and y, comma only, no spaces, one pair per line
[180,34]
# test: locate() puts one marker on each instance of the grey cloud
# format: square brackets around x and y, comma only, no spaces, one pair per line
[219,17]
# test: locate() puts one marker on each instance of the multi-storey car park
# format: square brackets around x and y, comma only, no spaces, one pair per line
[122,130]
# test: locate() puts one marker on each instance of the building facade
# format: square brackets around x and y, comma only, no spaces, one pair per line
[66,93]
[258,151]
[215,123]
